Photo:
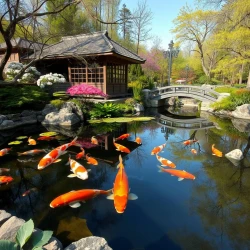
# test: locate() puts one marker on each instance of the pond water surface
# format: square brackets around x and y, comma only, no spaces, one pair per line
[210,212]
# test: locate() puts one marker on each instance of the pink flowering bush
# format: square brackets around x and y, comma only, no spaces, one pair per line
[85,89]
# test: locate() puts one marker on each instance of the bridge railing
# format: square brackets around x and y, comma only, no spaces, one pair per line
[201,91]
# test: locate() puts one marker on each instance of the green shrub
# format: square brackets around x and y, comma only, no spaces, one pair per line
[14,98]
[239,86]
[125,107]
[104,110]
[226,89]
[57,103]
[137,91]
[130,101]
[61,95]
[237,98]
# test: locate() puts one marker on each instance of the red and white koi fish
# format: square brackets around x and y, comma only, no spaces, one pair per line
[78,170]
[122,137]
[165,162]
[81,154]
[4,151]
[91,160]
[5,179]
[121,148]
[46,138]
[52,156]
[182,174]
[158,149]
[121,193]
[216,152]
[138,140]
[31,152]
[31,141]
[94,140]
[189,142]
[193,151]
[29,191]
[74,197]
[3,170]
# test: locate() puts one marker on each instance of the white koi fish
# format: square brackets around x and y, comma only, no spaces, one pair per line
[78,170]
[53,155]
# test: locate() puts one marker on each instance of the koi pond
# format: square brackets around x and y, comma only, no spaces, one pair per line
[208,212]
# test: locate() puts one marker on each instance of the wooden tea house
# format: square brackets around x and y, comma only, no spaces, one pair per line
[94,59]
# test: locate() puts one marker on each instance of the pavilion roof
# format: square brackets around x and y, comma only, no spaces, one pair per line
[91,44]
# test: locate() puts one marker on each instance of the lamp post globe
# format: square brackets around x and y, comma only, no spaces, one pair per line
[170,54]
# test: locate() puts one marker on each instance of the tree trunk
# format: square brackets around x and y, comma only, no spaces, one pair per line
[241,73]
[5,57]
[248,80]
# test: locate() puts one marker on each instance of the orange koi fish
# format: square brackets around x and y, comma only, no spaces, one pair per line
[3,170]
[52,156]
[193,151]
[121,193]
[121,148]
[81,154]
[72,198]
[158,149]
[5,179]
[46,138]
[165,162]
[4,151]
[138,140]
[91,160]
[189,142]
[78,170]
[94,140]
[216,152]
[31,152]
[29,191]
[31,141]
[122,137]
[182,174]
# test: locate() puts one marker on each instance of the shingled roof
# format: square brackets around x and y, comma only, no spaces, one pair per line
[91,44]
[23,43]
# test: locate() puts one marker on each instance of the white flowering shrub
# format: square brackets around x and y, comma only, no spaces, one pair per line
[49,79]
[30,76]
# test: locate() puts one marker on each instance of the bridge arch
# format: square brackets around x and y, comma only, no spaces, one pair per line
[154,97]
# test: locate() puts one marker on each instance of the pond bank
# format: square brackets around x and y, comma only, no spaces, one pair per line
[9,226]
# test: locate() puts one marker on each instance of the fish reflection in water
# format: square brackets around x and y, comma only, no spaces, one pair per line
[31,152]
[29,191]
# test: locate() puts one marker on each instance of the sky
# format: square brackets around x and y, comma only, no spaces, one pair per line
[164,12]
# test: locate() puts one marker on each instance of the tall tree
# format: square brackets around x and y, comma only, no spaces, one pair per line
[70,21]
[18,13]
[197,26]
[126,23]
[141,23]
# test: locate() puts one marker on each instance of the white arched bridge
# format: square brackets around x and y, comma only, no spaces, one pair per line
[200,93]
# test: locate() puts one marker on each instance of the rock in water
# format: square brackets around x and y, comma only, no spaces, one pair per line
[235,156]
[90,243]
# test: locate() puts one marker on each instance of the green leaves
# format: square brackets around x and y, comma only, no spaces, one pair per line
[40,238]
[24,232]
[122,119]
[15,142]
[8,245]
